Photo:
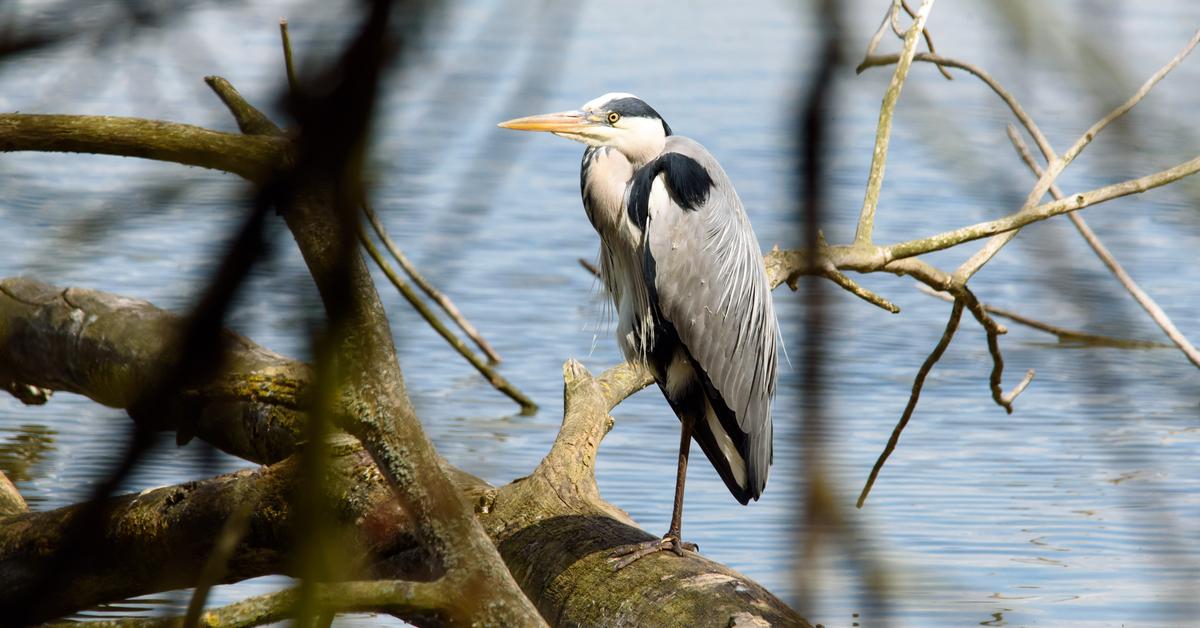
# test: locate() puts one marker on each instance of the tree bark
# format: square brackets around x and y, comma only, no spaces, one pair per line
[109,348]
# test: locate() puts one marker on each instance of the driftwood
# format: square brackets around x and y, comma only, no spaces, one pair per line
[552,528]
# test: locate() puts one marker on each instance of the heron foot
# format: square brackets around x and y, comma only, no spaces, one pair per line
[625,555]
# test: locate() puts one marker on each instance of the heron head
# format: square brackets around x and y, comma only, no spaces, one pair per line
[621,121]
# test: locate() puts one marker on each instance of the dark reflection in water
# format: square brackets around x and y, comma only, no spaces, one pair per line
[22,447]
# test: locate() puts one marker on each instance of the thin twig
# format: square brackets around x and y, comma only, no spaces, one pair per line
[866,219]
[1062,333]
[836,276]
[590,267]
[1156,313]
[287,53]
[1043,144]
[918,383]
[249,119]
[1005,95]
[498,381]
[436,295]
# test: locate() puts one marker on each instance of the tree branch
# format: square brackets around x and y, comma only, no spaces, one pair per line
[866,219]
[109,348]
[1152,308]
[251,157]
[1055,167]
[1062,333]
[914,396]
[556,512]
[498,381]
[1156,313]
[1015,221]
[994,330]
[11,502]
[433,293]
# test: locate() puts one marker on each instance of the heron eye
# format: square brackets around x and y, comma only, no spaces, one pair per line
[613,117]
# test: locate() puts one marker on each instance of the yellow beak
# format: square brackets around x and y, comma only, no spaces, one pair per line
[561,122]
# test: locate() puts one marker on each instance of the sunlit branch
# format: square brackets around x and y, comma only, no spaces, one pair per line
[1152,308]
[249,156]
[490,374]
[1055,167]
[433,293]
[866,219]
[1038,213]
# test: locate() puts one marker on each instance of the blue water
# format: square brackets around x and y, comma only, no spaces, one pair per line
[1080,509]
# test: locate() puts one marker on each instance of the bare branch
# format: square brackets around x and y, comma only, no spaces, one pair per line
[249,119]
[1005,95]
[252,409]
[852,287]
[888,18]
[494,378]
[1098,247]
[994,330]
[248,156]
[286,40]
[928,40]
[438,297]
[1015,221]
[1055,167]
[1062,333]
[918,383]
[866,219]
[1156,313]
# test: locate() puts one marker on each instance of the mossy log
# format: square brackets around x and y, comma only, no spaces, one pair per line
[551,527]
[111,348]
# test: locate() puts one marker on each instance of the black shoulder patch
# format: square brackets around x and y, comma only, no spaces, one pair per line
[687,182]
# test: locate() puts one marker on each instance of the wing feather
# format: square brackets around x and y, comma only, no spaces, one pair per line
[706,279]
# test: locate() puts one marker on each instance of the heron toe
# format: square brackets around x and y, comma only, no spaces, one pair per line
[625,555]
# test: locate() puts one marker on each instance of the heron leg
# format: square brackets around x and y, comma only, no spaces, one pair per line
[626,555]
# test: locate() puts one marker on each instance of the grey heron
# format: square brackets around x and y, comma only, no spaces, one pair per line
[686,276]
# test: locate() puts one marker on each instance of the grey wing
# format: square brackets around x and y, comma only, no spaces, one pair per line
[705,272]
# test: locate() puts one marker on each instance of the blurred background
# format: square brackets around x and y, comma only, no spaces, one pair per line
[1079,509]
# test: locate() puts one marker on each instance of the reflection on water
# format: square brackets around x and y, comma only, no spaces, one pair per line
[22,447]
[1077,510]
